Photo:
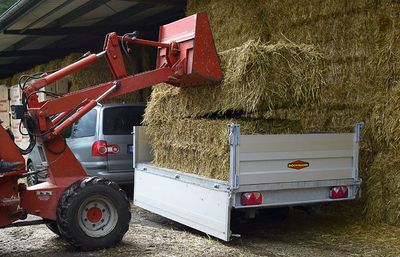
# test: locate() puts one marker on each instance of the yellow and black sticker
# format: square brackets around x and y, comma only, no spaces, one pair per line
[298,165]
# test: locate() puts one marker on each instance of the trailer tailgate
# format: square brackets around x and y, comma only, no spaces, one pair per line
[293,158]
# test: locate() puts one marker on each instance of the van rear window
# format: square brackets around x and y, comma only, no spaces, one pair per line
[120,120]
[85,126]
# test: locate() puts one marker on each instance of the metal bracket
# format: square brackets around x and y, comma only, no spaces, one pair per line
[356,174]
[24,175]
[235,184]
[234,136]
[358,131]
[234,142]
[358,185]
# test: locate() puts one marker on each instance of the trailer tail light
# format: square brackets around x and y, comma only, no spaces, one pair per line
[100,148]
[339,192]
[251,198]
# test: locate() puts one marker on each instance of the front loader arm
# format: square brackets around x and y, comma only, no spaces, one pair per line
[186,57]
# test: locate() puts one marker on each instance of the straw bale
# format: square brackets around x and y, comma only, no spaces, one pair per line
[99,73]
[347,88]
[293,11]
[386,61]
[321,118]
[385,119]
[342,31]
[384,185]
[232,22]
[257,77]
[200,146]
[316,22]
[96,73]
[339,27]
[6,81]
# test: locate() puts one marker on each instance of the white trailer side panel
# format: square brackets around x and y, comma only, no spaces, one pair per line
[203,208]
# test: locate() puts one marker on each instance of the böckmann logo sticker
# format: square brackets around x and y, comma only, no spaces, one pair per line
[298,165]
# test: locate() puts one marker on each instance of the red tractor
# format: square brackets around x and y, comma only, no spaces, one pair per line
[91,212]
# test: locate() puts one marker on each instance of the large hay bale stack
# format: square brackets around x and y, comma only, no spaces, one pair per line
[360,42]
[188,126]
[339,29]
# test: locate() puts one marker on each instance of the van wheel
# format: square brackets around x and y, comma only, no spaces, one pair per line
[93,213]
[274,214]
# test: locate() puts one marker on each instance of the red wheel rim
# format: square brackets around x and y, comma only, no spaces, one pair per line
[94,214]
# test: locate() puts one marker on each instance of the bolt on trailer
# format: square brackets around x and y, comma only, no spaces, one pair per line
[266,171]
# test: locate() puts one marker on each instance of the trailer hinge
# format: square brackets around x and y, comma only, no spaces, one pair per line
[234,142]
[234,136]
[356,173]
[358,186]
[358,131]
[236,182]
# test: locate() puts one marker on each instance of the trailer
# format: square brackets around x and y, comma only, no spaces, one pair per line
[267,173]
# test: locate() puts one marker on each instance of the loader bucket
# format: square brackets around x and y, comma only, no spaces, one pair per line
[196,51]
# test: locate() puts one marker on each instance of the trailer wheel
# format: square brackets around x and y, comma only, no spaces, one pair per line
[93,213]
[274,214]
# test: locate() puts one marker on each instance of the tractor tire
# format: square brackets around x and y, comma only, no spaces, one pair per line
[93,213]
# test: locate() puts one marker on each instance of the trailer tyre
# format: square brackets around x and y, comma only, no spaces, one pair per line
[93,213]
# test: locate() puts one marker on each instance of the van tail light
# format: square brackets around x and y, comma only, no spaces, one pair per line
[100,148]
[339,192]
[112,149]
[251,198]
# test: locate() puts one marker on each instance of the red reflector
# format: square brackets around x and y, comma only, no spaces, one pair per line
[251,198]
[339,192]
[99,148]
